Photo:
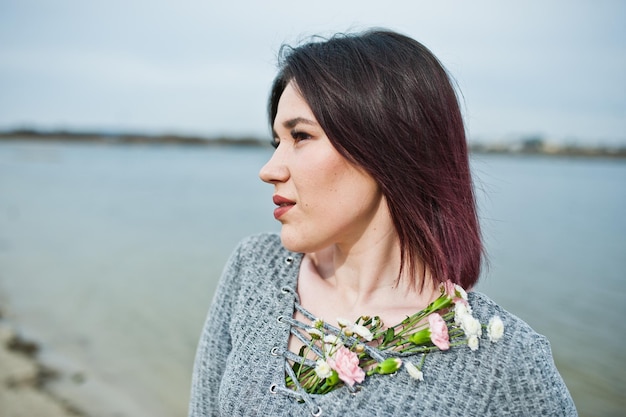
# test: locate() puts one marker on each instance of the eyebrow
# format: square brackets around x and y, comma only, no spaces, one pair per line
[291,123]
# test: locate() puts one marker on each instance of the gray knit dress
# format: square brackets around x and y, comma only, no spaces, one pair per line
[240,371]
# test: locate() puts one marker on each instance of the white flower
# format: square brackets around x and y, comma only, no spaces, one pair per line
[343,322]
[495,329]
[460,310]
[472,342]
[318,323]
[413,371]
[330,343]
[461,291]
[315,333]
[374,322]
[471,326]
[362,331]
[323,369]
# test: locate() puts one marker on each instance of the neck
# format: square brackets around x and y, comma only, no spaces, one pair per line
[366,273]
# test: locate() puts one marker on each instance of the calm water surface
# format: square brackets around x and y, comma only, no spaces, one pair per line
[109,255]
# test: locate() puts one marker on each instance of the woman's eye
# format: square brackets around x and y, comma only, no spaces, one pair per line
[296,135]
[299,135]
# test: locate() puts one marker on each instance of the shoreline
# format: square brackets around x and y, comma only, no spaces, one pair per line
[519,147]
[25,381]
[38,379]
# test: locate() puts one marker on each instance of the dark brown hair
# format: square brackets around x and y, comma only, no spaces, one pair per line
[387,104]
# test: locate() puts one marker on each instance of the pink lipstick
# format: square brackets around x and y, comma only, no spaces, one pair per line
[284,205]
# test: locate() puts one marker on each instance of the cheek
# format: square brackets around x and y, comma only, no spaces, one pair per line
[320,182]
[327,182]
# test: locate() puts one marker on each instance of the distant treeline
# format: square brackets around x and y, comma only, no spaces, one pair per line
[533,145]
[536,145]
[76,136]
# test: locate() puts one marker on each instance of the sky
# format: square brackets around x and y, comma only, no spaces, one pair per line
[200,67]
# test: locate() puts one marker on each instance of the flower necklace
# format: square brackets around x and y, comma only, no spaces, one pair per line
[348,354]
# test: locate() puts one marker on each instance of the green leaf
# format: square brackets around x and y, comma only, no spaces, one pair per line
[389,335]
[333,379]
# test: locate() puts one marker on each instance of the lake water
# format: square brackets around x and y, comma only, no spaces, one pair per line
[109,255]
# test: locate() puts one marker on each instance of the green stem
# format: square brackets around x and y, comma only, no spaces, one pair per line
[306,353]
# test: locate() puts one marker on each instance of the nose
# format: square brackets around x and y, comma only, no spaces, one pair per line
[275,170]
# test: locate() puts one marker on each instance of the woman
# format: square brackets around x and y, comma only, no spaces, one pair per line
[358,307]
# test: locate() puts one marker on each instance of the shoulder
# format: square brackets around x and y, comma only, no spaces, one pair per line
[263,251]
[259,257]
[255,249]
[520,365]
[519,338]
[251,256]
[517,331]
[261,246]
[258,241]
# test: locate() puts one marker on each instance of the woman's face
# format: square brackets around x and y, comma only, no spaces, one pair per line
[322,199]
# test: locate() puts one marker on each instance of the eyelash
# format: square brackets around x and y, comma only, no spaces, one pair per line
[297,136]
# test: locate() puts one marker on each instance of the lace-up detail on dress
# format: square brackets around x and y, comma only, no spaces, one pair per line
[279,388]
[299,330]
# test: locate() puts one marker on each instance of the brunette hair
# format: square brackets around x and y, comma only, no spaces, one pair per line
[387,105]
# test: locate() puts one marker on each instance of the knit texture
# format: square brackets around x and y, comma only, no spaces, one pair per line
[234,367]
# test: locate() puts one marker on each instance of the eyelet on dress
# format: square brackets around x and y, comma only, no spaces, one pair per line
[289,260]
[274,351]
[273,389]
[318,412]
[285,290]
[279,319]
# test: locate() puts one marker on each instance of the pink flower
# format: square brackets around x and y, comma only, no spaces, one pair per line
[449,289]
[438,331]
[346,363]
[455,292]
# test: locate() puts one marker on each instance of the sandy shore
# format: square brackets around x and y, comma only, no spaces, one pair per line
[24,380]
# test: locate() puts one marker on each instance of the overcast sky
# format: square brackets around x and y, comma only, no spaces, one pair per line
[555,68]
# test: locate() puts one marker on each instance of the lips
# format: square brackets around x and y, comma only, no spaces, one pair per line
[284,205]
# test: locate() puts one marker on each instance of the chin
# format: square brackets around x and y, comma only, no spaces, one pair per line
[289,242]
[295,243]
